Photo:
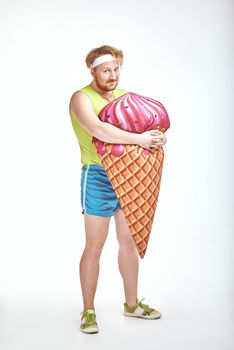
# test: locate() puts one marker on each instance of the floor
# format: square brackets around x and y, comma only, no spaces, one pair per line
[54,324]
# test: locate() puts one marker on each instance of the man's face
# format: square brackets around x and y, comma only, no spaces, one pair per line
[106,75]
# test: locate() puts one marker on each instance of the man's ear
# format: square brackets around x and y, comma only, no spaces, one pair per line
[92,73]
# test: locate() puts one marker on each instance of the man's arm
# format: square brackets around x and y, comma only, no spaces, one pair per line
[81,108]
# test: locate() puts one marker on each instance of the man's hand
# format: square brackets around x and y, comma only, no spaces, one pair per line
[152,140]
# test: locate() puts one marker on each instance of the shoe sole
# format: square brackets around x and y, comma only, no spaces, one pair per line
[89,330]
[148,317]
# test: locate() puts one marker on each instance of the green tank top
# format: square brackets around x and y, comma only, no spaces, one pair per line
[87,149]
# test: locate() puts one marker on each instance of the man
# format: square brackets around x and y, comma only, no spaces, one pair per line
[98,199]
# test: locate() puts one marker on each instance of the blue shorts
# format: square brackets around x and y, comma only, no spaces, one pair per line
[97,194]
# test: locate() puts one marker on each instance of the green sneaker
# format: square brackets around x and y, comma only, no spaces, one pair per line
[88,322]
[141,310]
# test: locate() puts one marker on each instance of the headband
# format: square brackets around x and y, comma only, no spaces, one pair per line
[102,59]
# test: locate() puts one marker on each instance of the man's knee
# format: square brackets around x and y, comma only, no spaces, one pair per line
[93,250]
[126,241]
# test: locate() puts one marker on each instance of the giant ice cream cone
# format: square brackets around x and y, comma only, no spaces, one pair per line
[134,172]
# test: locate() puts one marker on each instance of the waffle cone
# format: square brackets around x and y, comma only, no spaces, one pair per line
[136,179]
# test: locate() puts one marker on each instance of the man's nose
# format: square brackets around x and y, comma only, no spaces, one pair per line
[113,75]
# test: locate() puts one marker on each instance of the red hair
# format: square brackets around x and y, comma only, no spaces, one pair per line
[103,50]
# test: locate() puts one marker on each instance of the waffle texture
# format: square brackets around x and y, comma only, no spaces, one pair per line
[136,179]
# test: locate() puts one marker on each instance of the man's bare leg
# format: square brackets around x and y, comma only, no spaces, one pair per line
[96,230]
[127,258]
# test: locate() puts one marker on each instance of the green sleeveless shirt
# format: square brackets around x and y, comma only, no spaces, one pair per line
[87,149]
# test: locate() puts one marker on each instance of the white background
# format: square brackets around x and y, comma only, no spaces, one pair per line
[178,52]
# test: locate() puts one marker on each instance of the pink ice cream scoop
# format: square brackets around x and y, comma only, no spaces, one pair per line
[134,113]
